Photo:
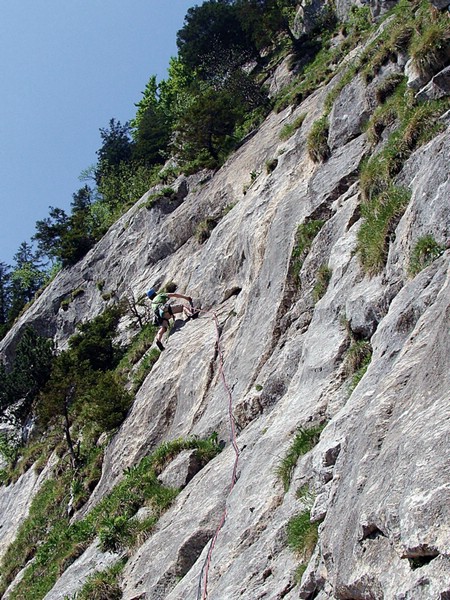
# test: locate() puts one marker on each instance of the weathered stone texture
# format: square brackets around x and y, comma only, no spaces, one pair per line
[379,474]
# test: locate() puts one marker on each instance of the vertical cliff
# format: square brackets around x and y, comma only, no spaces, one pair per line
[318,335]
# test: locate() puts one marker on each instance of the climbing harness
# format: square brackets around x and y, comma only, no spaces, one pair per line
[203,579]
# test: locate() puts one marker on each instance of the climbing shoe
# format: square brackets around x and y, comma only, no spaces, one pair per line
[160,346]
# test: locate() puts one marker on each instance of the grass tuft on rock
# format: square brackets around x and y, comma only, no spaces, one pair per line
[317,142]
[304,441]
[430,46]
[306,232]
[323,278]
[53,542]
[302,537]
[426,250]
[290,128]
[103,585]
[381,217]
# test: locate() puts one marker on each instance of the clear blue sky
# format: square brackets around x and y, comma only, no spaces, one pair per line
[67,68]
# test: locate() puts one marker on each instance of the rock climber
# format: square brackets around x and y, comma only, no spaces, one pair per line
[164,311]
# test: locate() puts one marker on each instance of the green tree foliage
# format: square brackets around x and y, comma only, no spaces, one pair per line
[119,189]
[117,147]
[30,372]
[27,277]
[206,125]
[152,137]
[213,40]
[148,101]
[175,92]
[5,298]
[83,385]
[66,239]
[81,234]
[150,127]
[215,44]
[264,20]
[59,395]
[94,342]
[105,402]
[51,231]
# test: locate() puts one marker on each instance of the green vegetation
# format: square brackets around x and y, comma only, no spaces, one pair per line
[253,177]
[323,278]
[31,370]
[317,142]
[388,86]
[271,165]
[430,44]
[384,203]
[77,393]
[54,543]
[306,232]
[290,128]
[357,360]
[144,368]
[9,446]
[414,125]
[426,34]
[302,536]
[84,387]
[103,585]
[137,349]
[381,216]
[320,59]
[20,284]
[166,192]
[65,303]
[425,251]
[304,441]
[204,228]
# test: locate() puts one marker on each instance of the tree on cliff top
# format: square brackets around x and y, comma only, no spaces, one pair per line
[213,38]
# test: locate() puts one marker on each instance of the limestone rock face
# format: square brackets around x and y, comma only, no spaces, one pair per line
[15,502]
[378,479]
[91,561]
[181,470]
[348,115]
[309,16]
[438,87]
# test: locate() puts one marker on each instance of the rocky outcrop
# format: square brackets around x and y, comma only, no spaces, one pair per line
[438,87]
[378,477]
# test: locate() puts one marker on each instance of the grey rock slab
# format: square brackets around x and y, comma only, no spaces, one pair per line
[379,471]
[438,87]
[392,494]
[349,114]
[426,174]
[180,536]
[74,577]
[338,173]
[181,470]
[15,501]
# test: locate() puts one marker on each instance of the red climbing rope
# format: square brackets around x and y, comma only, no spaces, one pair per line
[205,570]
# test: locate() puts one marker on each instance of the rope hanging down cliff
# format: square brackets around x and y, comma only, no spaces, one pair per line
[203,580]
